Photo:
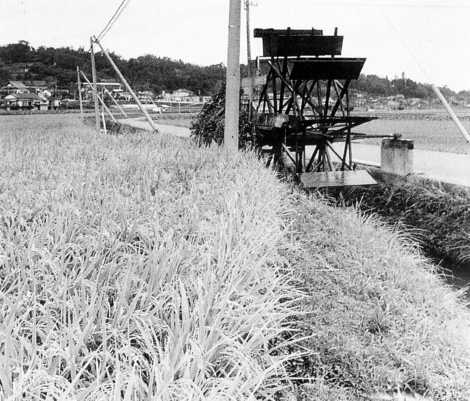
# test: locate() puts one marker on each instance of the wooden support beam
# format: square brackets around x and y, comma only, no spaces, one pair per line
[452,114]
[79,85]
[121,110]
[100,99]
[93,87]
[126,84]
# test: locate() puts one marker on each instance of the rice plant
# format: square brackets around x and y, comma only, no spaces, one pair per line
[138,267]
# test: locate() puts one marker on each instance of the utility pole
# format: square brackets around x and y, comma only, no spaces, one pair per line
[94,87]
[79,84]
[248,54]
[232,93]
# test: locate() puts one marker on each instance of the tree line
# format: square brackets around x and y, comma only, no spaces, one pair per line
[144,73]
[163,74]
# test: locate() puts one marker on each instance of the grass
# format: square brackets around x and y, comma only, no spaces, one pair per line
[142,267]
[177,120]
[137,267]
[380,317]
[438,214]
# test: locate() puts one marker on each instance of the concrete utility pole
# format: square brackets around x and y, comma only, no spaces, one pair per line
[94,88]
[232,94]
[248,54]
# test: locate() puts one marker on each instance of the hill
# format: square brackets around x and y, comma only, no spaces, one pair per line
[21,61]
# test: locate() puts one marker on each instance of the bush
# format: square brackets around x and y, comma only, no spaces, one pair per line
[208,126]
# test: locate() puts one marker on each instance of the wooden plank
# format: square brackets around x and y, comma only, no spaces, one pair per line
[306,45]
[261,33]
[335,179]
[327,68]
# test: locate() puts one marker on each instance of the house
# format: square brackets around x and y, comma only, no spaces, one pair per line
[25,101]
[115,88]
[13,87]
[182,93]
[179,95]
[36,86]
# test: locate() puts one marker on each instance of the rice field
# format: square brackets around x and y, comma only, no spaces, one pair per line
[141,267]
[137,268]
[431,132]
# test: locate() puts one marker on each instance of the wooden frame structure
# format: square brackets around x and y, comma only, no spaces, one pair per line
[304,106]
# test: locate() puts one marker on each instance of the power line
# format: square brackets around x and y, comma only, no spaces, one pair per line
[113,19]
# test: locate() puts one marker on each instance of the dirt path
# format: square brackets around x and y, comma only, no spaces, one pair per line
[442,166]
[165,129]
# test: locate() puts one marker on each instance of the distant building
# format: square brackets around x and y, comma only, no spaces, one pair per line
[22,101]
[14,87]
[113,87]
[36,86]
[179,95]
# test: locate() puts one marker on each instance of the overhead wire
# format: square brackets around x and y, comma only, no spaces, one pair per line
[113,19]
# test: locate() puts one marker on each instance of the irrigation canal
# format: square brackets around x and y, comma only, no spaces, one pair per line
[459,277]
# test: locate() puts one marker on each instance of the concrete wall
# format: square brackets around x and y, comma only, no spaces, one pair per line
[397,156]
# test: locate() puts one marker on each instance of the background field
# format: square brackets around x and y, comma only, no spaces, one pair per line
[431,130]
[437,135]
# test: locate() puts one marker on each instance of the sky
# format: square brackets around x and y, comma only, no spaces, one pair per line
[426,39]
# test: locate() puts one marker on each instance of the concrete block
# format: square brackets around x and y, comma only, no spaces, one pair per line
[397,156]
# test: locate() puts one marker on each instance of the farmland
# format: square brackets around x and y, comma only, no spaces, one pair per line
[143,267]
[431,130]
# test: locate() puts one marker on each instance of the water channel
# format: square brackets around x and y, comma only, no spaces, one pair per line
[459,277]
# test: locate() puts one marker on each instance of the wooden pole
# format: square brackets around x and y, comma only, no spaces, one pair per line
[103,104]
[93,87]
[126,84]
[454,117]
[121,110]
[79,84]
[232,93]
[104,123]
[248,54]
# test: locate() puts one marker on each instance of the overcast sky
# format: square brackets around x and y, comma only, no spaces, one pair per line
[427,39]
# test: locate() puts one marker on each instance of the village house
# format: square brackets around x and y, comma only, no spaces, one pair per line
[36,86]
[13,87]
[179,95]
[115,88]
[25,101]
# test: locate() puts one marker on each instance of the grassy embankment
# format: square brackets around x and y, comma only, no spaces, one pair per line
[139,266]
[437,214]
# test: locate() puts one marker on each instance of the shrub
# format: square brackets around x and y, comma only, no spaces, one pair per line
[208,126]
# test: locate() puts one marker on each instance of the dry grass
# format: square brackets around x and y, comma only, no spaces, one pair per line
[137,268]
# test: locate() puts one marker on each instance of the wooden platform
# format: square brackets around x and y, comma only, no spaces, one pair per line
[327,68]
[334,179]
